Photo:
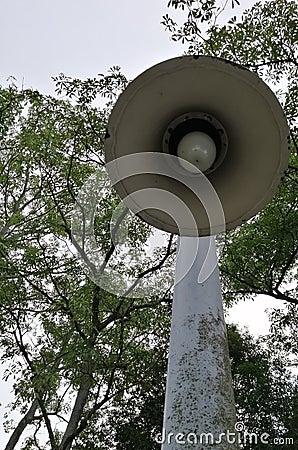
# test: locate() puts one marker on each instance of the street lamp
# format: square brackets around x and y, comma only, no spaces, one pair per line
[213,121]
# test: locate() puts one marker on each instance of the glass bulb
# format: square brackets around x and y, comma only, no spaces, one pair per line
[198,149]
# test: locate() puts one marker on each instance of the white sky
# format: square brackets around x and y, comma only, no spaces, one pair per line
[40,39]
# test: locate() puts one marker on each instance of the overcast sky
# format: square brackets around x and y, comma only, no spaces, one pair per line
[40,39]
[81,38]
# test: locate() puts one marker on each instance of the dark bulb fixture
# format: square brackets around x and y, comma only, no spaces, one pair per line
[198,138]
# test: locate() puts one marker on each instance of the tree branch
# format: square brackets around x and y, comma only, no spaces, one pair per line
[26,420]
[154,268]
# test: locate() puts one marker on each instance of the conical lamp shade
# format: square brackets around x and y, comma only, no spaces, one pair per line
[251,166]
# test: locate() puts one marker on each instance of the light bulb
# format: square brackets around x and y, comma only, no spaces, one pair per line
[198,149]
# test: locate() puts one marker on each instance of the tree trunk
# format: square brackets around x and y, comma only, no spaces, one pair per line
[76,412]
[26,420]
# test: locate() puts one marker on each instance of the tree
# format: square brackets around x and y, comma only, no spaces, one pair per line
[265,390]
[71,347]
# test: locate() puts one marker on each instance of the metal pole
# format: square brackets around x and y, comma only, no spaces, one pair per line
[199,404]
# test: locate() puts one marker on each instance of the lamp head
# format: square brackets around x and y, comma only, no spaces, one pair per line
[212,113]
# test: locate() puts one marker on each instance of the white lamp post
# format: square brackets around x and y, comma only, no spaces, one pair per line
[220,121]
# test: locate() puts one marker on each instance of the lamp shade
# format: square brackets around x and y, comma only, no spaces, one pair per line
[190,94]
